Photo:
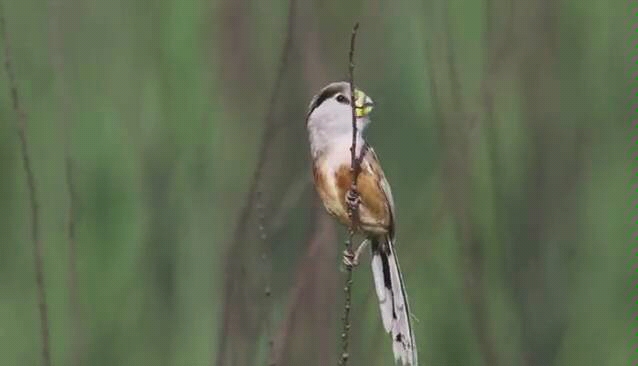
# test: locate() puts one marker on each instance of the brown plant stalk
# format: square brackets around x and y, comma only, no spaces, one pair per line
[353,211]
[308,283]
[31,186]
[57,61]
[253,198]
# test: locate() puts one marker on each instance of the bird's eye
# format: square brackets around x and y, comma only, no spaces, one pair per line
[342,99]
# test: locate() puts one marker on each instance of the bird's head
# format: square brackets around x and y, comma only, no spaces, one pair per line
[330,110]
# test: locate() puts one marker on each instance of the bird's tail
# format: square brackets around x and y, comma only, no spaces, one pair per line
[393,300]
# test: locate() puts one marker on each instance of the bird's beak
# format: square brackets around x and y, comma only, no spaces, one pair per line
[363,103]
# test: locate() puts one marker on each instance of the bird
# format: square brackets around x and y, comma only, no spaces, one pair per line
[330,133]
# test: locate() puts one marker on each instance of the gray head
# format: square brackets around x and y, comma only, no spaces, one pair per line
[330,113]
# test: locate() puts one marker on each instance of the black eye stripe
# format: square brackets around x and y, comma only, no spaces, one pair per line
[327,94]
[342,99]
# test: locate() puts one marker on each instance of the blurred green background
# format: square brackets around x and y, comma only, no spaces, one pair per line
[500,124]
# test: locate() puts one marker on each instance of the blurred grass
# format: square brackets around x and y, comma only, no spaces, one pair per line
[164,142]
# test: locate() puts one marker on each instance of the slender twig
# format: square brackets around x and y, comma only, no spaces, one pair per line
[308,283]
[26,162]
[354,163]
[253,197]
[266,258]
[57,61]
[355,168]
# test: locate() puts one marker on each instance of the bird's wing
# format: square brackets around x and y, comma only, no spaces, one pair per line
[372,161]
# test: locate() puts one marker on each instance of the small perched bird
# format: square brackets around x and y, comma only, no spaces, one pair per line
[329,124]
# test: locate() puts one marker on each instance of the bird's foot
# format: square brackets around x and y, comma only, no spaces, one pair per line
[353,199]
[350,258]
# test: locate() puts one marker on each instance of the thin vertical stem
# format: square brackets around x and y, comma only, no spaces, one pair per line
[31,186]
[57,61]
[355,168]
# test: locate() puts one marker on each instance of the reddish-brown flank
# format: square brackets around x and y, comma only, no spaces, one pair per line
[374,211]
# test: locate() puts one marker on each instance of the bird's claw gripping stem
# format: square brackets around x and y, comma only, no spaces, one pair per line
[353,199]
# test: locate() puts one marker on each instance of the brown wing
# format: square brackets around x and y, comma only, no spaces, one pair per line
[372,161]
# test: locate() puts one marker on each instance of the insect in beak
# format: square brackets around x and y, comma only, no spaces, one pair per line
[363,103]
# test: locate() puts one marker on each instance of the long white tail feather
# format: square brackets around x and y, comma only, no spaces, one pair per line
[393,302]
[384,294]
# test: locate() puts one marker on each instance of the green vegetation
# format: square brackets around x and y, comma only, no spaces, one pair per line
[501,126]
